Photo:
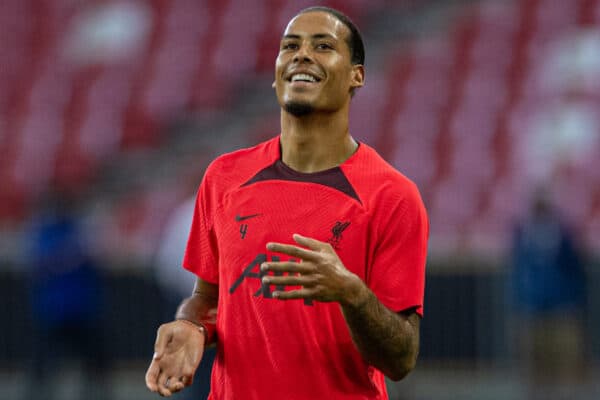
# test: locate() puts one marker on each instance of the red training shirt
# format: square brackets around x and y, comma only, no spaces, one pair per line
[298,349]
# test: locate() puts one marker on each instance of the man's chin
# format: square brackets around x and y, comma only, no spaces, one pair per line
[298,109]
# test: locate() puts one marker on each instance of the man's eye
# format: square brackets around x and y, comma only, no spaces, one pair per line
[324,46]
[289,46]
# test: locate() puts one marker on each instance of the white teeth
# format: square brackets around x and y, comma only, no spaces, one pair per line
[303,77]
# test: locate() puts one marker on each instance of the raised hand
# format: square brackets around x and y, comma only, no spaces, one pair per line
[321,274]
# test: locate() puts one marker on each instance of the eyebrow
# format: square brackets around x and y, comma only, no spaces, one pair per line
[315,36]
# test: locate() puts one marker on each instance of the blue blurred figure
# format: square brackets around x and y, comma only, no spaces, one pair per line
[549,282]
[66,298]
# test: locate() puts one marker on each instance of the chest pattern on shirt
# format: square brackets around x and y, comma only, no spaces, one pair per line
[253,271]
[270,213]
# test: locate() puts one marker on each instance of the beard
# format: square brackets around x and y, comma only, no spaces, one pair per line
[298,109]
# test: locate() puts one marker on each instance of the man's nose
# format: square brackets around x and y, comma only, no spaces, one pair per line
[303,54]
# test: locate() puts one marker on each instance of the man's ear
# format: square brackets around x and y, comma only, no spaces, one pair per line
[273,85]
[357,79]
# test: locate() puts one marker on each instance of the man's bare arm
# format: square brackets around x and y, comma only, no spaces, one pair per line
[201,307]
[180,344]
[385,339]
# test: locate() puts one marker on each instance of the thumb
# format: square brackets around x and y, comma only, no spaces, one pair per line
[163,337]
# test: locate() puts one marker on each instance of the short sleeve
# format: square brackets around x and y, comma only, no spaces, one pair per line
[201,253]
[397,271]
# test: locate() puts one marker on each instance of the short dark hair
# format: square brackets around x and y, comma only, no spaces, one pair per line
[354,40]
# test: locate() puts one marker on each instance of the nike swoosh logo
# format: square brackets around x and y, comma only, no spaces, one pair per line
[239,218]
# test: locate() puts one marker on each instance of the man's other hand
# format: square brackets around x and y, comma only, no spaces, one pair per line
[177,353]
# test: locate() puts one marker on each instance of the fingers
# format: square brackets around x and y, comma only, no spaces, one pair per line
[161,382]
[303,293]
[293,251]
[290,280]
[168,385]
[163,385]
[163,337]
[311,243]
[152,376]
[314,247]
[305,274]
[288,266]
[176,385]
[187,380]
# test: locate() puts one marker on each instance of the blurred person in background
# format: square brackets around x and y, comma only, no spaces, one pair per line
[67,299]
[549,282]
[330,315]
[177,283]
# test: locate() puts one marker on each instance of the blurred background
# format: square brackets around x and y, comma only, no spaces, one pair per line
[110,110]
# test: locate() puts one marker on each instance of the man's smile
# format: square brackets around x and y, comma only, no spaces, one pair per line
[302,77]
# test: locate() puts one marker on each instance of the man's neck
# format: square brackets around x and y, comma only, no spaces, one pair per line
[315,142]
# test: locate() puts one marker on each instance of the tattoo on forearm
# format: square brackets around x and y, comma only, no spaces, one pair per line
[386,340]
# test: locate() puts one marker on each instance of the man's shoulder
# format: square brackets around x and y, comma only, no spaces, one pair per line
[375,173]
[239,163]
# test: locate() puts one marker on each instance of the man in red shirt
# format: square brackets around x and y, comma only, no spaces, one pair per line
[309,248]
